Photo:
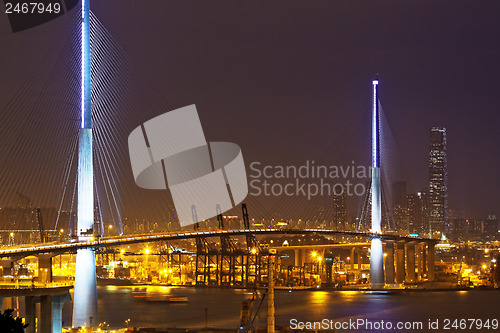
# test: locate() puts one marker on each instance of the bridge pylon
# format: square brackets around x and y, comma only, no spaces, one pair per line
[377,252]
[85,297]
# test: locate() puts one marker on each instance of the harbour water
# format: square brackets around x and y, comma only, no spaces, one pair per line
[144,307]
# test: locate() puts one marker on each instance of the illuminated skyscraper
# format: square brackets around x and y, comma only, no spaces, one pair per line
[438,183]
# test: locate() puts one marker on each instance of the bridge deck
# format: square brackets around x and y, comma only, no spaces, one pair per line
[123,240]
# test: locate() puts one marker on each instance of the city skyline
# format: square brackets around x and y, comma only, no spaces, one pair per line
[299,72]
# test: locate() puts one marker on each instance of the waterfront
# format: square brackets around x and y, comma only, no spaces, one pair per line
[117,304]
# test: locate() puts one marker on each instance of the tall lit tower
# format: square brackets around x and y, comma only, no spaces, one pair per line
[85,297]
[339,212]
[438,183]
[377,254]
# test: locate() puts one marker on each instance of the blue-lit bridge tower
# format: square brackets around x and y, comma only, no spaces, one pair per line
[377,253]
[85,296]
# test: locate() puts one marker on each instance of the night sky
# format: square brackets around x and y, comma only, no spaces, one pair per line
[291,80]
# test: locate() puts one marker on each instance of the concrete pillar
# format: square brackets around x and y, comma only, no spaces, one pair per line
[430,266]
[389,263]
[321,263]
[85,294]
[410,263]
[57,305]
[44,268]
[418,253]
[8,266]
[424,260]
[46,314]
[303,257]
[359,258]
[8,303]
[377,279]
[352,259]
[30,308]
[400,263]
[296,256]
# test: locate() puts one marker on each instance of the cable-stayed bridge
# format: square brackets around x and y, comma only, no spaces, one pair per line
[407,260]
[89,92]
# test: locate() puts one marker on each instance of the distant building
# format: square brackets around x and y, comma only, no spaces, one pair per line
[424,206]
[473,229]
[414,214]
[490,227]
[399,192]
[340,211]
[458,230]
[400,208]
[438,183]
[401,219]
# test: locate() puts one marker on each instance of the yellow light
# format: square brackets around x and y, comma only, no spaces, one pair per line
[122,251]
[254,251]
[110,226]
[11,234]
[314,254]
[319,258]
[146,251]
[484,266]
[385,254]
[62,230]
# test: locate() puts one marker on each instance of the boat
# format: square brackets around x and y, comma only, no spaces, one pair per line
[104,281]
[164,298]
[178,299]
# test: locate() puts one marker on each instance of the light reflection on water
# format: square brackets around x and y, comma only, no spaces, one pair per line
[117,304]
